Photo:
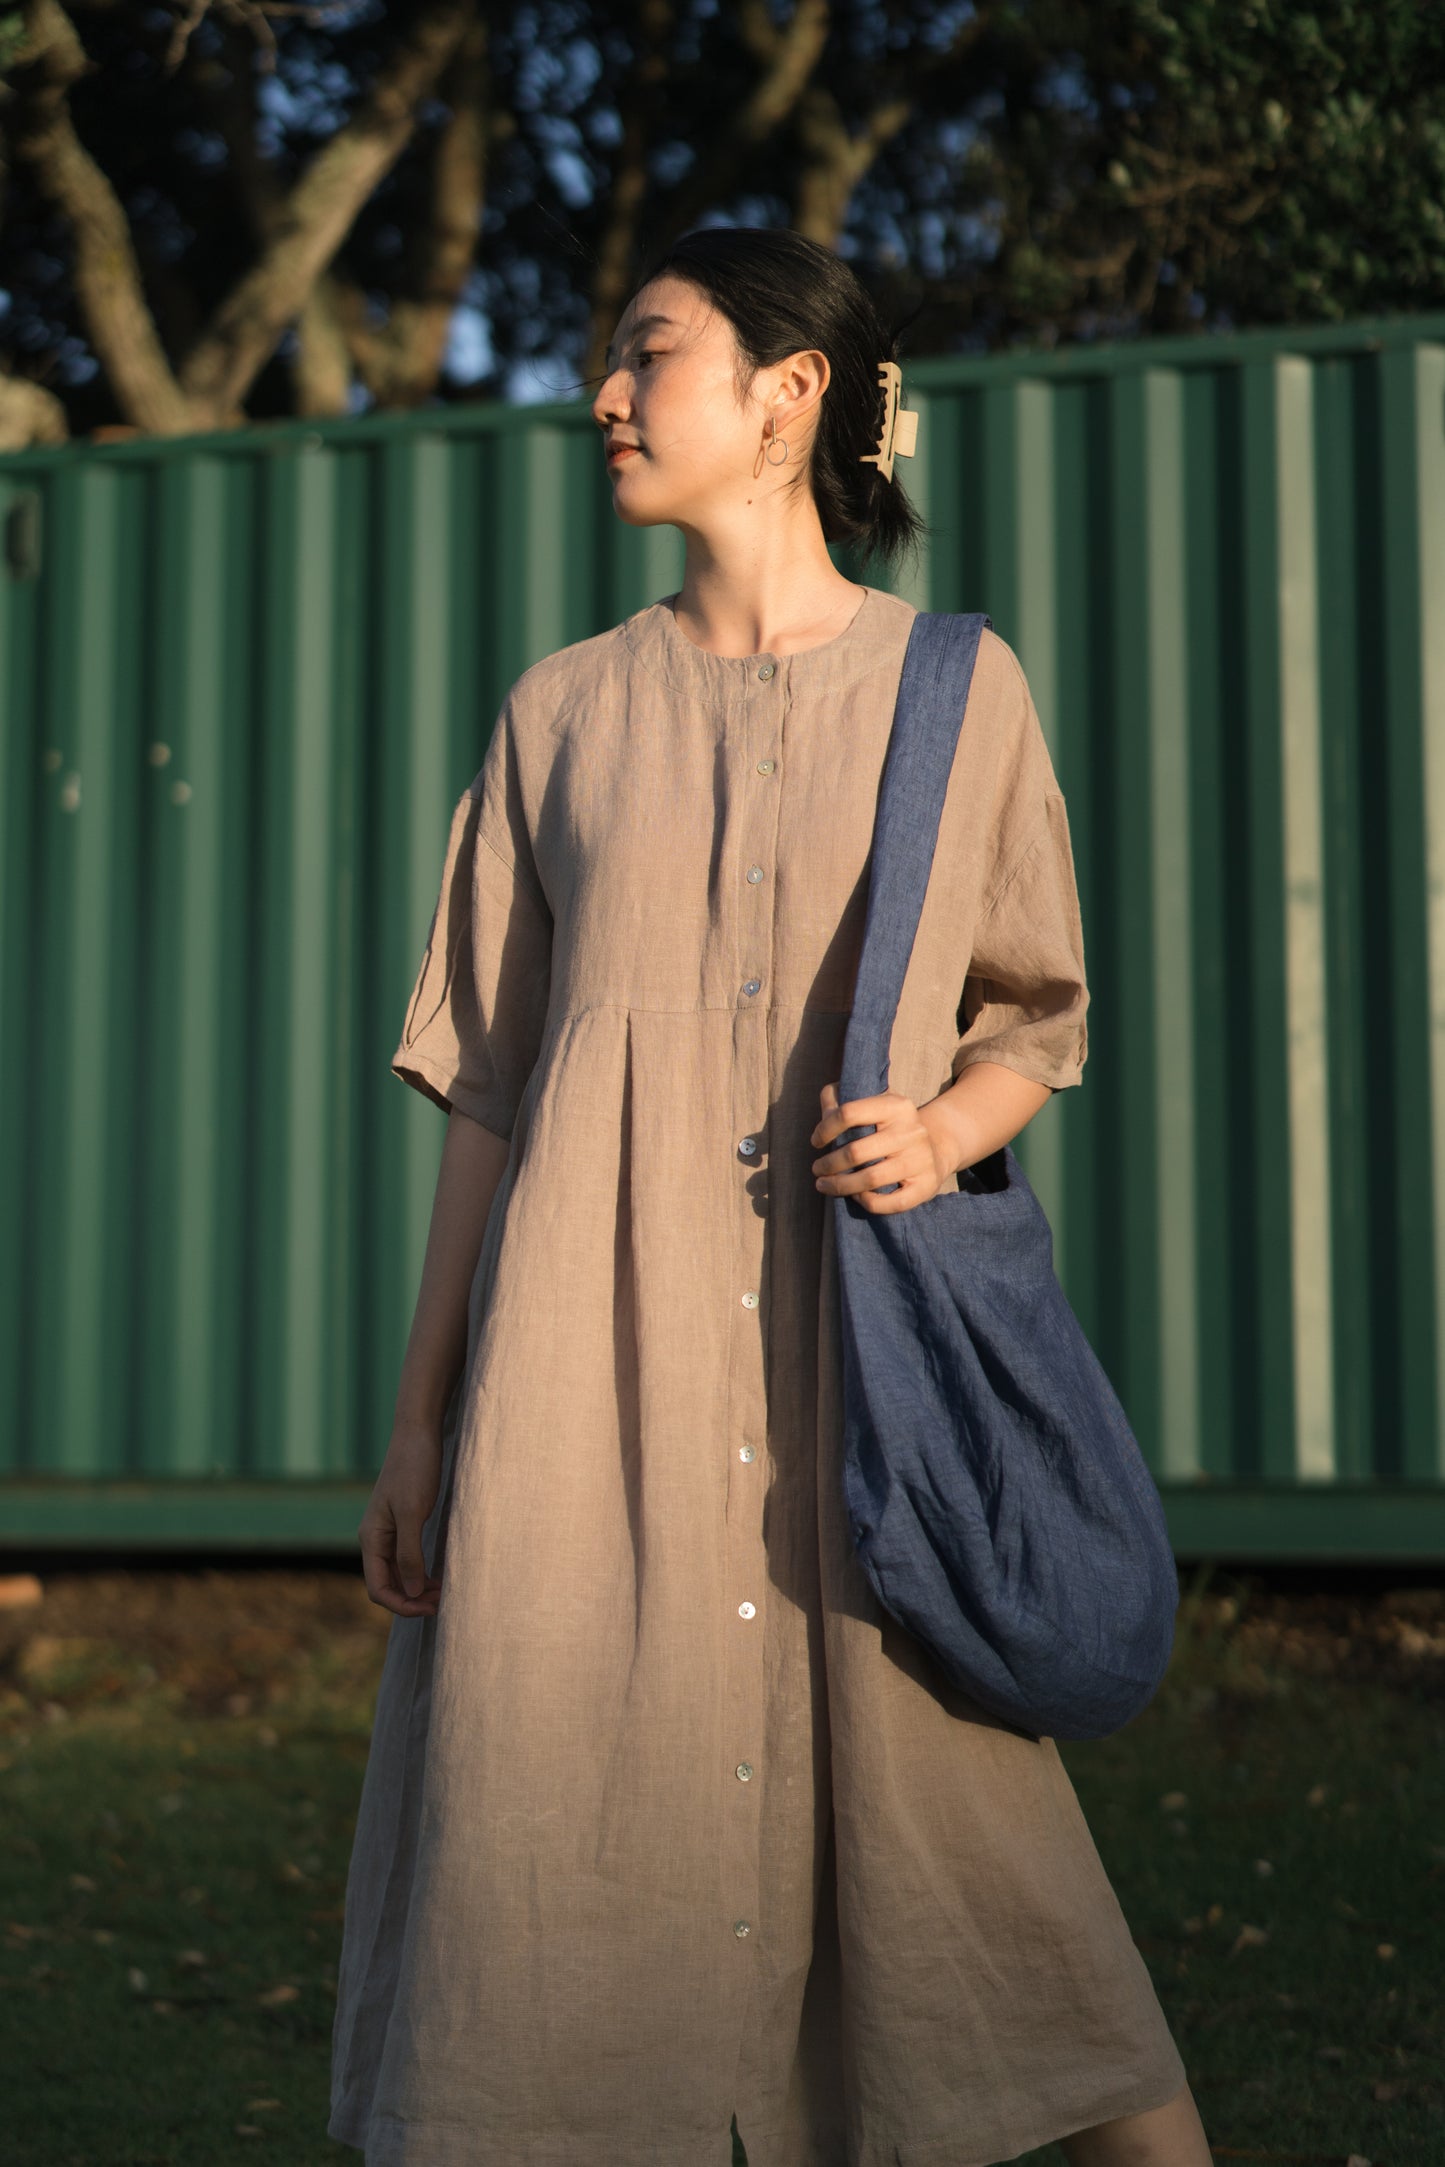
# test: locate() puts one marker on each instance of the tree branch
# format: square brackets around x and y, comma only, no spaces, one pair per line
[835,161]
[402,363]
[617,253]
[29,414]
[790,53]
[107,275]
[321,372]
[317,214]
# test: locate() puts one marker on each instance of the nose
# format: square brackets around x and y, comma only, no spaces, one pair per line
[608,406]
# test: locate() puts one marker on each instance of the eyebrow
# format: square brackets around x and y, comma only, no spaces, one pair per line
[641,325]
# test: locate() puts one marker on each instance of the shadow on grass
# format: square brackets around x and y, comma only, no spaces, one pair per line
[180,1762]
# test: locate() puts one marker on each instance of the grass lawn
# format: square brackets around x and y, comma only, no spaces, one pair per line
[180,1758]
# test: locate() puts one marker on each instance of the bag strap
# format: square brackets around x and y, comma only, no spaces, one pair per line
[927,718]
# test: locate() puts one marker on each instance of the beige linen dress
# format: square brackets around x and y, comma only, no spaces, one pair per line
[664,1820]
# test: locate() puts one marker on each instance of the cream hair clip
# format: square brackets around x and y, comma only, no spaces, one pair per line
[900,424]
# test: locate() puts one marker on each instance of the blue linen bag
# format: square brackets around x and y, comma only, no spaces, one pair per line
[997,1497]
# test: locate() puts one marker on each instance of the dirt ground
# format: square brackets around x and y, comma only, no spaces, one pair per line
[227,1637]
[209,1638]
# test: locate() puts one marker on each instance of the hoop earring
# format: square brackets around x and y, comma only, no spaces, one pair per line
[768,454]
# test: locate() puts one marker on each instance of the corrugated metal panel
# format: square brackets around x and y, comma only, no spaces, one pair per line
[244,677]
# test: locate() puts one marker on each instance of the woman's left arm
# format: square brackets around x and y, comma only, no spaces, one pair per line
[1023,1009]
[920,1147]
[984,1108]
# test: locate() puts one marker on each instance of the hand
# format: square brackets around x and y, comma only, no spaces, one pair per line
[907,1147]
[390,1531]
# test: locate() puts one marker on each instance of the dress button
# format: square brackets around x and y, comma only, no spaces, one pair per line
[747,1452]
[748,1146]
[765,670]
[750,1301]
[747,1610]
[765,767]
[741,1928]
[744,1771]
[755,874]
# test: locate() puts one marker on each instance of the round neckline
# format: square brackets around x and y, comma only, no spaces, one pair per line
[761,654]
[874,637]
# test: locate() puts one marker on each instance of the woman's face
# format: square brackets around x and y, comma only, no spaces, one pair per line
[699,453]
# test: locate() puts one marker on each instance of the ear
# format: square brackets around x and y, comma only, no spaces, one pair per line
[803,378]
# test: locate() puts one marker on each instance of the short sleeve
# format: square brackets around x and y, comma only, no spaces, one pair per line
[474,1023]
[1025,994]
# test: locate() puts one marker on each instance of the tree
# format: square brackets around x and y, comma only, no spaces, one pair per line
[299,228]
[219,210]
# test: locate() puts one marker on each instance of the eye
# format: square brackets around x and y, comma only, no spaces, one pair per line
[648,353]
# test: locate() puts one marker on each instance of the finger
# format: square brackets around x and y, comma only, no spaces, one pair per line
[403,1605]
[375,1558]
[917,1189]
[855,1180]
[882,1106]
[378,1540]
[410,1566]
[834,1125]
[910,1159]
[420,1606]
[862,1151]
[886,1139]
[416,1600]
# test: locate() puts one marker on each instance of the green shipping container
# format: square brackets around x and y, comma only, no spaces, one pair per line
[245,676]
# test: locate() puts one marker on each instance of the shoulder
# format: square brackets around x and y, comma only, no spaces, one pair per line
[998,686]
[546,692]
[999,675]
[1004,750]
[1002,724]
[538,704]
[574,683]
[1006,711]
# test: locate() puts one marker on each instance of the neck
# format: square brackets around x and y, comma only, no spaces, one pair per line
[770,588]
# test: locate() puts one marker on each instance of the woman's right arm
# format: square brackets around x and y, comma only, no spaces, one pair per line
[473,1161]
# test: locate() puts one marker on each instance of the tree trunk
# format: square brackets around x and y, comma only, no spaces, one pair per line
[317,215]
[298,233]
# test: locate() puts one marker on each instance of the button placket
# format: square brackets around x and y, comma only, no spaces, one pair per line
[753,775]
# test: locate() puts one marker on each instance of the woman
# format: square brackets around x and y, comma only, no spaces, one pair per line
[667,1829]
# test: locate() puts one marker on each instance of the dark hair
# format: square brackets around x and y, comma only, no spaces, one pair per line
[783,294]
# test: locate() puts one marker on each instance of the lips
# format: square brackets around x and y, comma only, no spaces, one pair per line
[621,451]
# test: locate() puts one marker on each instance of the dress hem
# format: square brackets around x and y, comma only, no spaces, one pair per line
[1033,2135]
[387,2143]
[441,2144]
